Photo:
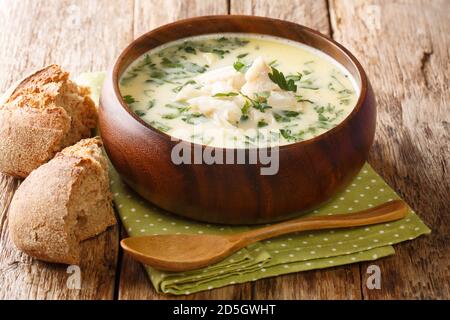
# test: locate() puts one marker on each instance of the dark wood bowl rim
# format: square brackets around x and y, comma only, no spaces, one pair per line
[360,70]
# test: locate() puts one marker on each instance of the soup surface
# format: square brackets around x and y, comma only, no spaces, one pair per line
[239,90]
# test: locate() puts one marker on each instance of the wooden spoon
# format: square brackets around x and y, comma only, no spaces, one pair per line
[192,251]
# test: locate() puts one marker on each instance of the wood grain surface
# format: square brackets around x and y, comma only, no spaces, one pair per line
[133,280]
[333,285]
[34,34]
[403,45]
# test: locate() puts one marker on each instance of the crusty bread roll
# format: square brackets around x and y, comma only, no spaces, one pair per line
[63,202]
[41,115]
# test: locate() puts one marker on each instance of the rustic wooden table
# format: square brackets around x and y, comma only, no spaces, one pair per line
[404,47]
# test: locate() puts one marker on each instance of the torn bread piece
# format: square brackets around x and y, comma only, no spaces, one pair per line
[41,115]
[62,203]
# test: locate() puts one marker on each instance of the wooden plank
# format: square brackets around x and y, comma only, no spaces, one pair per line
[149,14]
[403,46]
[336,283]
[310,13]
[80,37]
[134,283]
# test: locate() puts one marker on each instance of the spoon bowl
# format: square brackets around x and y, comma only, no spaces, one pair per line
[179,252]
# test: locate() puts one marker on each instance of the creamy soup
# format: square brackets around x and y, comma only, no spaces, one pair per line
[239,90]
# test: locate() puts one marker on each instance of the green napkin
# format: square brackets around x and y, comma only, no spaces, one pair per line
[291,253]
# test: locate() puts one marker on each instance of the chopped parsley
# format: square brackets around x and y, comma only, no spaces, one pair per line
[285,115]
[278,78]
[160,126]
[292,137]
[177,66]
[225,94]
[129,99]
[178,88]
[301,99]
[170,63]
[150,104]
[262,123]
[139,113]
[295,77]
[194,118]
[238,65]
[327,113]
[260,101]
[245,109]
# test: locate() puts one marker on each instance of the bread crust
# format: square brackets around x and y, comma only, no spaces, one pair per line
[39,116]
[43,218]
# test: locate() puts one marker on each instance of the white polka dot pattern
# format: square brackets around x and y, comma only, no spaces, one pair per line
[291,253]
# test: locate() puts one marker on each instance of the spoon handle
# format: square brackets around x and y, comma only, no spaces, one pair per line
[389,211]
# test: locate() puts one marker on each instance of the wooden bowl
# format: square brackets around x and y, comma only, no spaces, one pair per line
[310,172]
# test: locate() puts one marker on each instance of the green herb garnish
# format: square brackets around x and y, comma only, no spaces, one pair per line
[301,99]
[150,104]
[278,78]
[249,140]
[170,116]
[190,49]
[194,68]
[262,123]
[221,53]
[238,65]
[158,74]
[285,115]
[260,103]
[279,118]
[295,77]
[225,94]
[328,113]
[288,135]
[178,107]
[261,106]
[246,107]
[345,102]
[139,113]
[178,89]
[160,126]
[169,63]
[133,73]
[309,87]
[129,99]
[194,118]
[290,114]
